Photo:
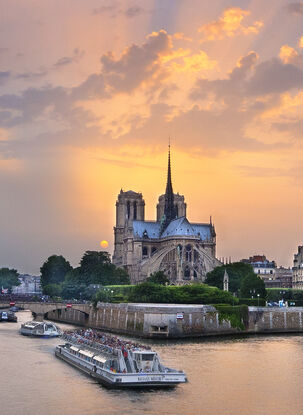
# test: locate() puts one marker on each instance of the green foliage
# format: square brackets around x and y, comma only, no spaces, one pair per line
[71,290]
[104,295]
[8,278]
[188,294]
[96,268]
[53,290]
[236,272]
[158,278]
[254,302]
[54,270]
[238,315]
[276,294]
[252,285]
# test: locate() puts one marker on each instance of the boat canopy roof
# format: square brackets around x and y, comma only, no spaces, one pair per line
[75,349]
[33,324]
[100,359]
[86,353]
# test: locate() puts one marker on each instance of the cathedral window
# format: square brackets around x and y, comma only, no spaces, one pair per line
[187,273]
[188,253]
[196,256]
[144,251]
[153,250]
[128,209]
[135,210]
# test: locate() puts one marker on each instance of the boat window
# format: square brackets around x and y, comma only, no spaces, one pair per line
[147,357]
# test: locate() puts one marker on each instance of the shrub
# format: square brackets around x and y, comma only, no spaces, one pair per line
[238,315]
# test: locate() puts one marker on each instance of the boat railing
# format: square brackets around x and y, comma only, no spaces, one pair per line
[79,340]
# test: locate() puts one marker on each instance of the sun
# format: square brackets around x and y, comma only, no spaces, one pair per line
[104,244]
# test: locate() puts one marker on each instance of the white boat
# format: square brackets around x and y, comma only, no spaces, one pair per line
[121,366]
[40,329]
[7,316]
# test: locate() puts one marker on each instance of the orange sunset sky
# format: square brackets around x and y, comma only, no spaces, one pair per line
[91,90]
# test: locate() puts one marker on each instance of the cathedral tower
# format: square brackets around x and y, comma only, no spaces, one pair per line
[129,206]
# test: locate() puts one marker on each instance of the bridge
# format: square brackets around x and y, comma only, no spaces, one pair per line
[41,309]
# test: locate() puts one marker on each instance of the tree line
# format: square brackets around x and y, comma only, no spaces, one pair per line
[59,278]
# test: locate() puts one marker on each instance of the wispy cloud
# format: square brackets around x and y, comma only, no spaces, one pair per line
[229,24]
[295,8]
[67,60]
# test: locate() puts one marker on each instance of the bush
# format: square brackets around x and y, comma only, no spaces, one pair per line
[187,294]
[238,315]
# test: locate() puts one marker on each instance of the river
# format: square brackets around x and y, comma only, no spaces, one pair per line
[243,376]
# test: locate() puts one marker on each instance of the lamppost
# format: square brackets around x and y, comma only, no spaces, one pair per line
[258,295]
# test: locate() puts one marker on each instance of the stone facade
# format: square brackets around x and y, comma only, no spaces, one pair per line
[272,276]
[298,269]
[184,251]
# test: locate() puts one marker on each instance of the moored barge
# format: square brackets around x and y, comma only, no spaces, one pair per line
[8,316]
[116,363]
[40,329]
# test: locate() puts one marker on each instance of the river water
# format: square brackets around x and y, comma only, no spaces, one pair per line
[244,376]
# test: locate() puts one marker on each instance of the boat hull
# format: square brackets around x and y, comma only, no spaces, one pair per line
[120,380]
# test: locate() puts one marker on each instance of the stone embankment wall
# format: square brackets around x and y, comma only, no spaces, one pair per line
[176,321]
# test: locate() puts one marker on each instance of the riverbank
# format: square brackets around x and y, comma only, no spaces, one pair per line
[179,321]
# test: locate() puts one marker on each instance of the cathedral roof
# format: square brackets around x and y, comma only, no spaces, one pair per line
[177,227]
[145,229]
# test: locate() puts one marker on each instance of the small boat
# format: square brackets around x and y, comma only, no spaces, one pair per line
[40,329]
[8,316]
[117,363]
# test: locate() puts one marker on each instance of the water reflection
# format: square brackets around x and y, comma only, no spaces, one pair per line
[253,375]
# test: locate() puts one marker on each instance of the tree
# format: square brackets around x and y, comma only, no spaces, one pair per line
[74,290]
[8,278]
[54,270]
[53,290]
[96,268]
[252,285]
[158,278]
[236,272]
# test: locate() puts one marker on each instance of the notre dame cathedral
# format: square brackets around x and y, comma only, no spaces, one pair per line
[184,251]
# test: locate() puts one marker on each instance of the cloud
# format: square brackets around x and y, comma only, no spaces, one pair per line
[231,88]
[104,9]
[31,75]
[67,60]
[133,11]
[288,54]
[274,77]
[115,11]
[248,80]
[295,8]
[138,64]
[4,76]
[229,24]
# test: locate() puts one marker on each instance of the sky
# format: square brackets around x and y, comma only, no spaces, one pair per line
[90,91]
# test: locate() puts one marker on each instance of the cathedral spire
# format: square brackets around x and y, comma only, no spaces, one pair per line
[169,207]
[169,186]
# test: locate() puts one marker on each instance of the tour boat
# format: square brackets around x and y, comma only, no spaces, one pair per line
[40,329]
[7,316]
[115,362]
